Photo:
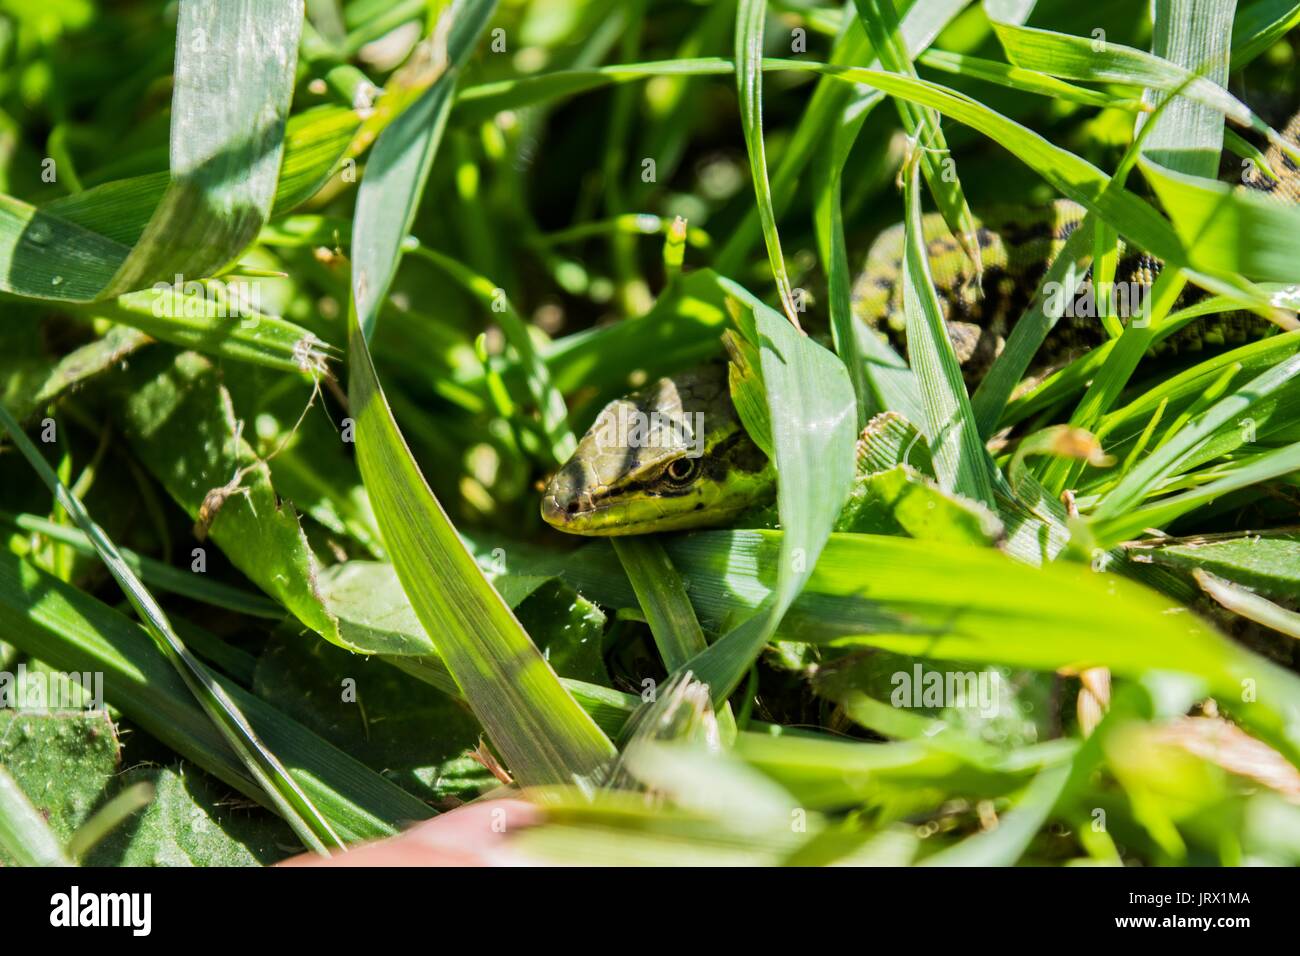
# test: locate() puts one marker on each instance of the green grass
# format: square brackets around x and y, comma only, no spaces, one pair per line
[287,507]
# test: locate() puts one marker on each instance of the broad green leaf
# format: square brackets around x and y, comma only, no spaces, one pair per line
[387,720]
[64,760]
[190,822]
[182,424]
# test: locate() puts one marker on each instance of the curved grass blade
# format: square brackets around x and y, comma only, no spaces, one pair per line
[225,162]
[813,413]
[289,799]
[751,16]
[1075,58]
[72,631]
[542,733]
[960,461]
[1258,25]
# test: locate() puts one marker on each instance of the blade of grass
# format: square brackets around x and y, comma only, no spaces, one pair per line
[960,461]
[544,736]
[542,733]
[662,595]
[1260,24]
[1248,604]
[71,631]
[922,126]
[289,799]
[225,161]
[24,834]
[814,427]
[751,16]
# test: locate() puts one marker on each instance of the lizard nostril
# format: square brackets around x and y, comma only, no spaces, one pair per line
[571,508]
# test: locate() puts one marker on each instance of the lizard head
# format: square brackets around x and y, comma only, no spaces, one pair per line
[671,456]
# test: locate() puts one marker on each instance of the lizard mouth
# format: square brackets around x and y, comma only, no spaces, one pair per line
[573,515]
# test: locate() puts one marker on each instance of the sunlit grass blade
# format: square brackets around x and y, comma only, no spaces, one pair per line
[542,733]
[960,462]
[973,604]
[1189,66]
[289,799]
[750,18]
[215,319]
[70,630]
[663,598]
[400,162]
[922,126]
[1017,78]
[814,427]
[225,162]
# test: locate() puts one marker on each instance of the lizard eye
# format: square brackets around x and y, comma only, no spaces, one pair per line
[682,470]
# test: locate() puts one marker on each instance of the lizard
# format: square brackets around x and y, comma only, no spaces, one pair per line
[675,455]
